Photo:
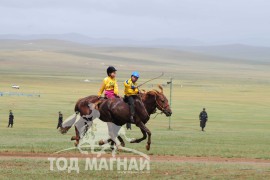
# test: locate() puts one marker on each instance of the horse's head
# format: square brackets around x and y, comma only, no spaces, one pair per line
[161,101]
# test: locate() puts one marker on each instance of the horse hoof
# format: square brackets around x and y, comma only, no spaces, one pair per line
[147,147]
[73,138]
[119,148]
[76,144]
[123,144]
[101,142]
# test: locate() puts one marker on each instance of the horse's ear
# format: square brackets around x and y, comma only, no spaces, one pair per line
[143,90]
[161,88]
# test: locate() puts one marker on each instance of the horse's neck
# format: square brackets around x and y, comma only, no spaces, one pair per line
[150,105]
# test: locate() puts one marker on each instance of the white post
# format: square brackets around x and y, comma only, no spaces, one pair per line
[170,101]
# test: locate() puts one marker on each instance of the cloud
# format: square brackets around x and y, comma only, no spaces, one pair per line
[200,19]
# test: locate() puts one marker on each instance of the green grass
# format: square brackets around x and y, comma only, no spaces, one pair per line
[14,168]
[238,124]
[235,94]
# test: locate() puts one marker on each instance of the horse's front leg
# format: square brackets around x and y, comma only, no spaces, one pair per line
[145,131]
[141,139]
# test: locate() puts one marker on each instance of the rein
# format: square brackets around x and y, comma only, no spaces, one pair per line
[157,114]
[144,106]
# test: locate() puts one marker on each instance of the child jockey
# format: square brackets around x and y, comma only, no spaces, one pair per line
[109,84]
[131,90]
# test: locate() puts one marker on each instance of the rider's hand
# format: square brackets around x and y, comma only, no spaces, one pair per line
[133,87]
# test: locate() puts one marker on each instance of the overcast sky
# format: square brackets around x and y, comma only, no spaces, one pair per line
[206,20]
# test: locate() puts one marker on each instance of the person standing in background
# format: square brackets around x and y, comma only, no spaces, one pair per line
[203,119]
[60,120]
[10,119]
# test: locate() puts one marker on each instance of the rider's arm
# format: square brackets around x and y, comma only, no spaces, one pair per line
[135,89]
[115,88]
[127,85]
[102,88]
[130,87]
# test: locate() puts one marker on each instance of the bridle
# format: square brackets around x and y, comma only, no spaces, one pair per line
[162,108]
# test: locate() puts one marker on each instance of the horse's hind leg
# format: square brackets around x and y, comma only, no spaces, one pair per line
[77,137]
[113,133]
[121,141]
[113,143]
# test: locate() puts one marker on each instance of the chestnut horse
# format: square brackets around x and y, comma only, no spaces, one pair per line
[115,111]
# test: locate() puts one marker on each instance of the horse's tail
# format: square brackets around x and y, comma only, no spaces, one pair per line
[68,123]
[71,120]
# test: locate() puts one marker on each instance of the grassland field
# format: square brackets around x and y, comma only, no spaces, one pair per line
[235,93]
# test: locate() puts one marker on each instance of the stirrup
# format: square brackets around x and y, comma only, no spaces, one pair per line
[131,119]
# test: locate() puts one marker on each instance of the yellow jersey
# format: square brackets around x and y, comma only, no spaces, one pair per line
[107,85]
[129,91]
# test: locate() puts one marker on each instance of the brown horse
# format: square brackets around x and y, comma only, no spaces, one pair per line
[116,111]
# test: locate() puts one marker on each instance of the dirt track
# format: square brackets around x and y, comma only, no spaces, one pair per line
[153,158]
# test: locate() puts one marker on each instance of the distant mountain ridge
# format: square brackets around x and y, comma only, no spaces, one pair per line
[158,42]
[79,38]
[234,51]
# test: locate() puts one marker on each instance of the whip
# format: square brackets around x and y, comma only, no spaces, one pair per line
[151,79]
